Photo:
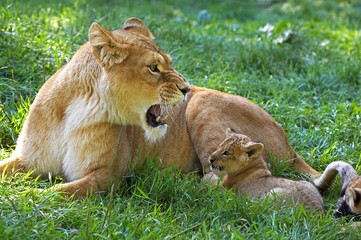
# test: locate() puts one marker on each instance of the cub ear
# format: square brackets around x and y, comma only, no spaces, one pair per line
[105,48]
[352,198]
[253,149]
[357,195]
[136,25]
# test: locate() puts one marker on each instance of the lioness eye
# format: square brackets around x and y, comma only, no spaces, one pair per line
[153,68]
[225,153]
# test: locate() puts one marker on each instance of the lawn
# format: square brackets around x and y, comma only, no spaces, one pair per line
[298,60]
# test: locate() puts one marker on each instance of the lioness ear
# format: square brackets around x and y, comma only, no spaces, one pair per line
[228,132]
[105,48]
[138,26]
[253,149]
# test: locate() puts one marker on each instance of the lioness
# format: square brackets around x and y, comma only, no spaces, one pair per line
[80,91]
[247,173]
[349,202]
[77,120]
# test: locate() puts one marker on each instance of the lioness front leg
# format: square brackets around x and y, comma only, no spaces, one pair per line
[94,162]
[96,181]
[11,165]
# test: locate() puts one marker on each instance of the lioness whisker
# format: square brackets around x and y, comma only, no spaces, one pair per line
[176,49]
[170,47]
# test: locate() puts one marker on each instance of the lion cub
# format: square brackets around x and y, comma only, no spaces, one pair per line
[349,202]
[246,173]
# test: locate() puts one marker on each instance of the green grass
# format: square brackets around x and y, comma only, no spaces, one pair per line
[309,81]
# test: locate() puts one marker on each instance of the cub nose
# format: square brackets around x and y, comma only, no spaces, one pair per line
[211,160]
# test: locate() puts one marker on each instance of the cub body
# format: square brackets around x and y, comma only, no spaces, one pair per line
[247,174]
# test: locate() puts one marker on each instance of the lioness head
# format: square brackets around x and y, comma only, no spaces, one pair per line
[136,81]
[235,153]
[350,200]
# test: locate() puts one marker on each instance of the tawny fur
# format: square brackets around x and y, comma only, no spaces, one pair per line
[247,174]
[73,96]
[195,129]
[78,119]
[349,202]
[197,126]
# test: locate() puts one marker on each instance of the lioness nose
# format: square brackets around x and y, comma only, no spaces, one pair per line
[211,160]
[184,90]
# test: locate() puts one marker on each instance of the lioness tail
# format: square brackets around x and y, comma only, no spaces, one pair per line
[345,170]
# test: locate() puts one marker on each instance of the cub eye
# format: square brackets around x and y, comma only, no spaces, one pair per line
[153,68]
[225,153]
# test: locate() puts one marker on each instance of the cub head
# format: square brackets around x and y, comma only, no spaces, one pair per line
[136,79]
[235,153]
[350,200]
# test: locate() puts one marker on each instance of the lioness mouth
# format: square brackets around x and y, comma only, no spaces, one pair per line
[155,116]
